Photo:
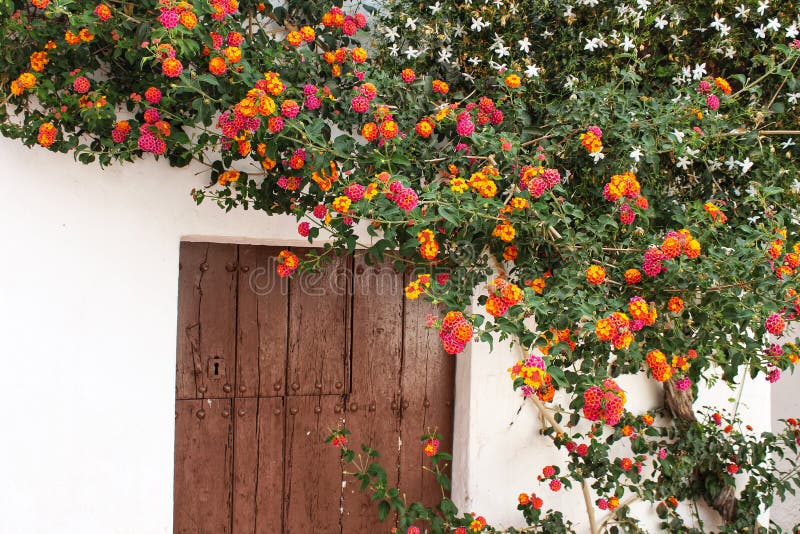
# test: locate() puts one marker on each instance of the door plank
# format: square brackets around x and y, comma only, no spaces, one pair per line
[263,308]
[313,476]
[206,321]
[376,363]
[203,466]
[258,465]
[319,321]
[428,379]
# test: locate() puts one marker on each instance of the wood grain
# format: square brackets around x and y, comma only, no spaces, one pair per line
[262,326]
[206,320]
[313,474]
[203,466]
[428,392]
[377,352]
[319,326]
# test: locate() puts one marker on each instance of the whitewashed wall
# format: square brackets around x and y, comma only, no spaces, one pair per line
[88,308]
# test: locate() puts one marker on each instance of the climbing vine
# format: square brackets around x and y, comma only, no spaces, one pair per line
[611,187]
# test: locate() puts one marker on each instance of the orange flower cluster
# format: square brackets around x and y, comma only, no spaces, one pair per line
[415,288]
[659,368]
[625,186]
[26,80]
[83,35]
[502,295]
[662,369]
[530,500]
[673,245]
[325,179]
[510,253]
[538,284]
[633,276]
[558,336]
[604,403]
[512,81]
[533,378]
[715,212]
[643,314]
[504,231]
[675,304]
[679,242]
[47,134]
[615,328]
[595,275]
[39,60]
[288,263]
[341,204]
[228,177]
[483,183]
[791,260]
[591,140]
[424,127]
[297,37]
[622,185]
[431,447]
[428,247]
[439,86]
[385,127]
[455,332]
[723,84]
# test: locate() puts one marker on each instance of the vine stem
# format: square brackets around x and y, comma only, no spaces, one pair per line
[587,496]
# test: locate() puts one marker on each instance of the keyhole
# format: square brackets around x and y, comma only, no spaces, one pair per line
[216,369]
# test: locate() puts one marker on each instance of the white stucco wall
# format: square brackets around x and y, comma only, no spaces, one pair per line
[786,404]
[88,293]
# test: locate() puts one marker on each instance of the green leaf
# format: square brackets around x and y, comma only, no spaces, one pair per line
[383,510]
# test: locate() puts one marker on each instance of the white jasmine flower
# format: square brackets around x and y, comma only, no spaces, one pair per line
[774,24]
[746,165]
[742,12]
[412,53]
[592,44]
[699,71]
[628,44]
[532,71]
[391,33]
[524,45]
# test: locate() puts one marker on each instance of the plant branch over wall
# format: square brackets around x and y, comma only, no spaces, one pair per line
[618,180]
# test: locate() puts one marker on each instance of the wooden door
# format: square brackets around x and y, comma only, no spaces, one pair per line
[266,367]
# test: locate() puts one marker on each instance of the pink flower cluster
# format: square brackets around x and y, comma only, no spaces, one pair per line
[775,324]
[232,124]
[604,403]
[538,180]
[312,101]
[464,125]
[405,197]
